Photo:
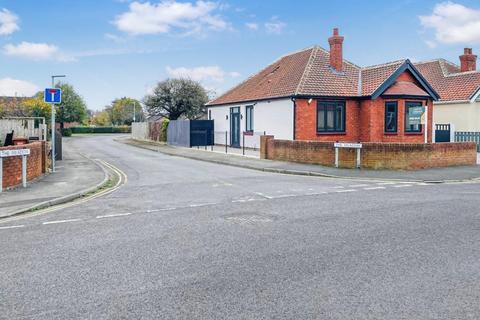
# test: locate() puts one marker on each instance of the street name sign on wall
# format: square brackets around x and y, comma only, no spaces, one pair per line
[14,153]
[415,115]
[53,95]
[347,145]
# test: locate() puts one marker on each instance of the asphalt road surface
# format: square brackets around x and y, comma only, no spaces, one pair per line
[185,239]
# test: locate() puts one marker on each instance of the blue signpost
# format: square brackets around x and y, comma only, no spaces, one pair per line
[53,95]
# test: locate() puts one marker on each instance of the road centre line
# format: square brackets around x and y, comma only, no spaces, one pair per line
[113,215]
[61,221]
[358,185]
[346,190]
[12,227]
[374,188]
[403,186]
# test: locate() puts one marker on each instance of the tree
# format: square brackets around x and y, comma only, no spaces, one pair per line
[121,112]
[36,107]
[174,98]
[72,108]
[100,118]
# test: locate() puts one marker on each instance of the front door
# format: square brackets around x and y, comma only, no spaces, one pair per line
[235,127]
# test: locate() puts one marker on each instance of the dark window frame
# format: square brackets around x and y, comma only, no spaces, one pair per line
[252,124]
[385,124]
[409,104]
[325,105]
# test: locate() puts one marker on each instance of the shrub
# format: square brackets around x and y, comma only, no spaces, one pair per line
[66,132]
[117,129]
[163,130]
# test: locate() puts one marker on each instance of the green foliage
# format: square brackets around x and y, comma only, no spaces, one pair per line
[66,132]
[164,129]
[111,129]
[121,111]
[174,98]
[72,108]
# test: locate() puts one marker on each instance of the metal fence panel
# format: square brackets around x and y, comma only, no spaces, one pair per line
[178,133]
[201,133]
[463,136]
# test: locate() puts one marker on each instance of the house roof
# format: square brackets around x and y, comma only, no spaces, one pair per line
[446,78]
[308,73]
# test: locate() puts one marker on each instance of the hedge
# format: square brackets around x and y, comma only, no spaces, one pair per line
[119,129]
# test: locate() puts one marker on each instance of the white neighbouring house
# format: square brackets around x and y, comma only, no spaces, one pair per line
[459,90]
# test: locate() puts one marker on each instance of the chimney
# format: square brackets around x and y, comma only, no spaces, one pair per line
[468,61]
[336,51]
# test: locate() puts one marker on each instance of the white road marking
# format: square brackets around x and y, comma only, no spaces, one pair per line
[263,195]
[385,183]
[12,227]
[114,215]
[346,190]
[284,196]
[316,193]
[403,186]
[338,187]
[358,185]
[201,205]
[374,188]
[61,221]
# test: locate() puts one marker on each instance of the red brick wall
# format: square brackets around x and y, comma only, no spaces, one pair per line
[36,164]
[404,156]
[364,122]
[306,122]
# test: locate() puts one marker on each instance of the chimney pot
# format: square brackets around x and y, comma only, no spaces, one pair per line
[336,50]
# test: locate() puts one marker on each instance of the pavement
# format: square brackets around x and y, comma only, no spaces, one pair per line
[187,239]
[461,173]
[75,176]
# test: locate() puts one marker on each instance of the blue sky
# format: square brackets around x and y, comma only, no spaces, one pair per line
[115,48]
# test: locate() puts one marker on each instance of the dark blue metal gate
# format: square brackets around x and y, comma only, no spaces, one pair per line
[442,133]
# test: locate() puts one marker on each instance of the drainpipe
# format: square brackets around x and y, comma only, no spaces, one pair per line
[294,115]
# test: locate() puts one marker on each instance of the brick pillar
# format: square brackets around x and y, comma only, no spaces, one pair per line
[264,146]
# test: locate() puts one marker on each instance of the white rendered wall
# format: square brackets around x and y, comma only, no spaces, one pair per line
[273,118]
[465,116]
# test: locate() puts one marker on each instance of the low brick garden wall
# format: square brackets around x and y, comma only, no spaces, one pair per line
[399,156]
[36,164]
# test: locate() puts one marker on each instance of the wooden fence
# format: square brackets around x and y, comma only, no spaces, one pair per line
[463,136]
[22,128]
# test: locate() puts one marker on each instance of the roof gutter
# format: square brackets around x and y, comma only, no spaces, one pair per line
[452,102]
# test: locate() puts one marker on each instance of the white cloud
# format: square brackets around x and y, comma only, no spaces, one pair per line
[12,87]
[453,23]
[275,26]
[114,38]
[36,51]
[204,74]
[147,18]
[252,25]
[8,22]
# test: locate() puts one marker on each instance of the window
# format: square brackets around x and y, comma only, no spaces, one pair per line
[249,118]
[330,116]
[391,115]
[409,126]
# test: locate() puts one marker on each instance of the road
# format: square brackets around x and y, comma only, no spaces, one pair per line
[185,239]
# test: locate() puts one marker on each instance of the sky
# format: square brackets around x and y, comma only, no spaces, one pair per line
[114,48]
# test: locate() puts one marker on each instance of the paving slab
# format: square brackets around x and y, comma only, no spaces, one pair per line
[461,173]
[74,175]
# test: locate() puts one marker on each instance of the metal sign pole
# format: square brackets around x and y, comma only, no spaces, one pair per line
[1,175]
[426,124]
[53,129]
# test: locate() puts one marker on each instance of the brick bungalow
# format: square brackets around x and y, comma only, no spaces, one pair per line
[459,90]
[315,94]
